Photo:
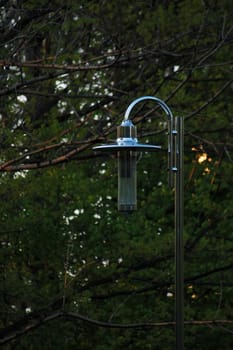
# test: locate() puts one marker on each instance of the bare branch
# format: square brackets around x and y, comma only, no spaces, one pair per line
[33,321]
[54,66]
[210,100]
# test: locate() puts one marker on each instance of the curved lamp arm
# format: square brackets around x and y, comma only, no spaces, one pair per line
[160,102]
[171,132]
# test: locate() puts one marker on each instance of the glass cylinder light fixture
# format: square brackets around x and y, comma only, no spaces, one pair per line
[127,173]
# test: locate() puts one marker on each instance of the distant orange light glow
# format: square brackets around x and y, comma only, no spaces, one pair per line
[202,158]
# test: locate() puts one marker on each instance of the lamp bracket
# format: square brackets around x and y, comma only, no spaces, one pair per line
[172,132]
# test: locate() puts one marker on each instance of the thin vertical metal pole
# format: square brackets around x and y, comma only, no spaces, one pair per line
[179,249]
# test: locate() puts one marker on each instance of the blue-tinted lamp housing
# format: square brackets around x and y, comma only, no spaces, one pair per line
[127,149]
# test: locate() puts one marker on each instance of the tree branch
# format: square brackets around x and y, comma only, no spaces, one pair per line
[33,321]
[210,100]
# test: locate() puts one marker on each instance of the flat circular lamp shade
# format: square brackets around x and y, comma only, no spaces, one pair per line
[127,140]
[136,147]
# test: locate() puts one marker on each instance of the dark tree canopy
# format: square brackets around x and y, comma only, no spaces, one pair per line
[74,272]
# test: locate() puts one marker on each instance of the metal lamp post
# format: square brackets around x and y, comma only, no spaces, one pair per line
[127,148]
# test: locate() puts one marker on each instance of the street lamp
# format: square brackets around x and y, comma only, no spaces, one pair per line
[127,148]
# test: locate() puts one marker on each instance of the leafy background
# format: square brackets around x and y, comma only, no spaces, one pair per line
[72,267]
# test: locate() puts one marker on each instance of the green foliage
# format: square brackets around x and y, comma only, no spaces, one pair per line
[68,73]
